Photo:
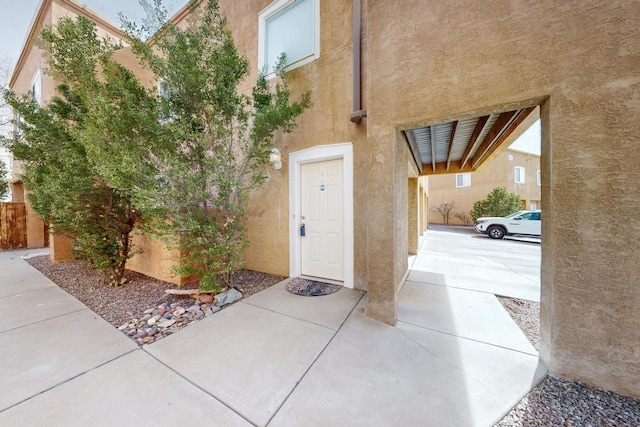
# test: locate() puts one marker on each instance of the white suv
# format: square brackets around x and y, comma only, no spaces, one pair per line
[523,223]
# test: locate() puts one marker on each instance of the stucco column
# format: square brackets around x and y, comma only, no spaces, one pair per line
[590,327]
[61,248]
[387,228]
[413,216]
[35,228]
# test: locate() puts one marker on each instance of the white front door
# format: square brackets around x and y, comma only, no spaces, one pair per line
[322,213]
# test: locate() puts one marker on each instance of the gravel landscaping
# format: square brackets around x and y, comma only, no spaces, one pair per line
[141,309]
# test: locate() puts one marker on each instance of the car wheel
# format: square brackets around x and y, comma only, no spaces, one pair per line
[495,232]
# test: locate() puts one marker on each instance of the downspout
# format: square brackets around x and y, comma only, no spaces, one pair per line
[358,113]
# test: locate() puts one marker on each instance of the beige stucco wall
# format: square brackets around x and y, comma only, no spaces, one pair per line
[498,172]
[326,122]
[155,259]
[447,59]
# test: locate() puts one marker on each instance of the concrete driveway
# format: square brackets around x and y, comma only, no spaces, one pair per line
[455,357]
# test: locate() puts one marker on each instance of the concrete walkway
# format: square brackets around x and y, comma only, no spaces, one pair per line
[455,357]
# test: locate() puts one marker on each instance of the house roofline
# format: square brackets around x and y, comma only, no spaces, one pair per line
[38,18]
[179,16]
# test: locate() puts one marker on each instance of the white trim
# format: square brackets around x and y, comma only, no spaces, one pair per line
[466,179]
[315,154]
[271,10]
[37,81]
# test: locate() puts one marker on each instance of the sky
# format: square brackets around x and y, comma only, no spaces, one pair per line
[529,141]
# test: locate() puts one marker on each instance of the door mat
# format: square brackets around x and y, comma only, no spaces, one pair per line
[311,288]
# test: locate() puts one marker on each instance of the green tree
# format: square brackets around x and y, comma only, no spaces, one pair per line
[82,151]
[499,202]
[4,180]
[223,136]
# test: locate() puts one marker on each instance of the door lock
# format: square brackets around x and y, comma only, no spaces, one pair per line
[302,230]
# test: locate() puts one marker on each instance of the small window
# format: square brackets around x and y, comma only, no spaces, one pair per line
[163,91]
[17,121]
[463,180]
[518,173]
[36,88]
[510,156]
[292,27]
[538,177]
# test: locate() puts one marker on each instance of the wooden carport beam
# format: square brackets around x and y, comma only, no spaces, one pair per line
[433,147]
[453,135]
[496,131]
[472,141]
[413,146]
[441,168]
[500,131]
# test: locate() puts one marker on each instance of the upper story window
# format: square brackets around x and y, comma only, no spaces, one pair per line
[16,122]
[463,180]
[36,87]
[292,27]
[163,91]
[538,177]
[518,174]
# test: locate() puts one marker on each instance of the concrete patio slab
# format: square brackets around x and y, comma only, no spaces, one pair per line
[464,313]
[134,390]
[495,379]
[488,276]
[502,267]
[328,310]
[247,357]
[18,276]
[376,375]
[35,306]
[45,354]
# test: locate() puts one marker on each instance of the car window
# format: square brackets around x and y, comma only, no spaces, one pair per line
[535,216]
[526,216]
[513,215]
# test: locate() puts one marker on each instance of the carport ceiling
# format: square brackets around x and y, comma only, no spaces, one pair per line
[461,145]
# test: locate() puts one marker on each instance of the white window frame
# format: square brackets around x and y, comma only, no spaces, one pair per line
[538,177]
[163,92]
[36,87]
[271,10]
[520,175]
[466,179]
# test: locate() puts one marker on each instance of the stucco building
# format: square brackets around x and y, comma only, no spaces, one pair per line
[403,90]
[517,171]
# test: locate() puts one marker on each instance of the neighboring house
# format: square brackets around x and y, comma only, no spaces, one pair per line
[518,172]
[7,159]
[28,77]
[5,125]
[404,90]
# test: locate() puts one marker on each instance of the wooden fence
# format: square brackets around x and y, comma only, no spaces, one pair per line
[13,226]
